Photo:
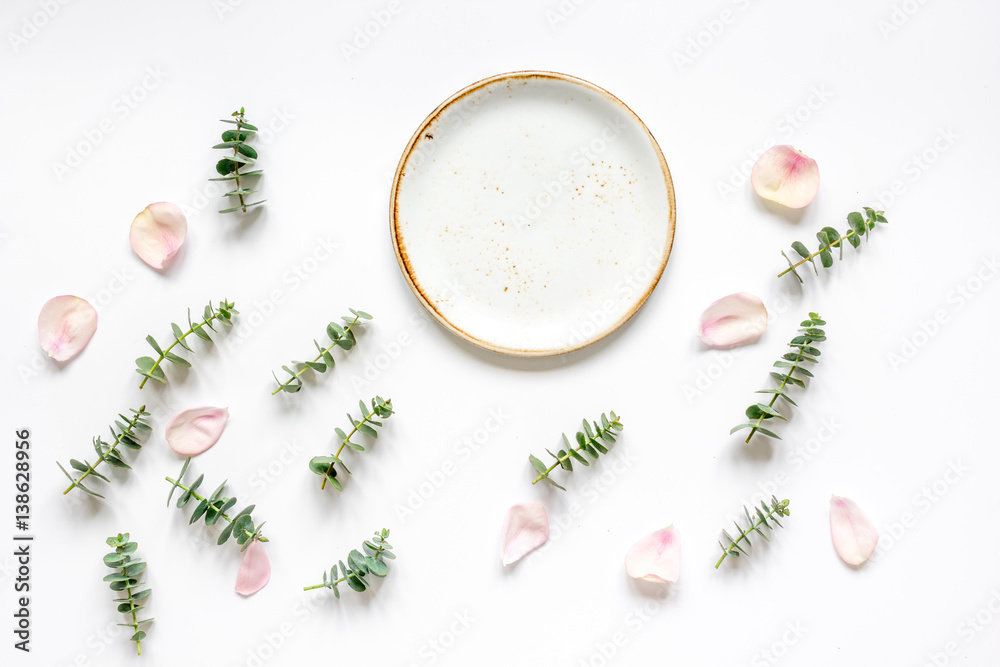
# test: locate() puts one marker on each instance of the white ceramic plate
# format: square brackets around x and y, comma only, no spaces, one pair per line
[532,213]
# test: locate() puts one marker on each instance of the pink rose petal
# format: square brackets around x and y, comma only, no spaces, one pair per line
[193,431]
[255,570]
[786,176]
[854,535]
[157,233]
[65,326]
[525,528]
[656,557]
[733,320]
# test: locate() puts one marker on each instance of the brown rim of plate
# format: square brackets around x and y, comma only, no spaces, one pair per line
[400,248]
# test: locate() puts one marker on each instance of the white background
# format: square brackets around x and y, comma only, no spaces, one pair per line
[880,100]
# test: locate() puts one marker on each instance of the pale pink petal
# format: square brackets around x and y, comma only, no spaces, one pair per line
[854,535]
[65,326]
[158,232]
[525,528]
[733,320]
[656,557]
[193,431]
[786,176]
[255,570]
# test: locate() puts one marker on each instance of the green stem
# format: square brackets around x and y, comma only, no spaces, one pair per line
[343,444]
[190,331]
[810,257]
[113,448]
[200,498]
[330,584]
[774,398]
[581,448]
[302,370]
[754,524]
[236,152]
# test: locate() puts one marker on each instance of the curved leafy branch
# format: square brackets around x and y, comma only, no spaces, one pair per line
[324,465]
[764,516]
[590,441]
[148,367]
[126,579]
[790,363]
[342,337]
[371,562]
[243,156]
[215,507]
[831,238]
[125,436]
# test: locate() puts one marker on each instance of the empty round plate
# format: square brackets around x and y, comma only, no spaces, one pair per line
[532,213]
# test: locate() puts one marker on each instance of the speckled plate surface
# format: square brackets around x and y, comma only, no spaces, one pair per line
[532,213]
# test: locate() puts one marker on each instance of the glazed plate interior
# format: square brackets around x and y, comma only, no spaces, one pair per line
[532,213]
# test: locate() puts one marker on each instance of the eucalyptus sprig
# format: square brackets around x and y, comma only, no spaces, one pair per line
[243,156]
[371,562]
[764,515]
[342,337]
[215,507]
[126,579]
[125,434]
[831,238]
[148,367]
[324,465]
[590,441]
[790,363]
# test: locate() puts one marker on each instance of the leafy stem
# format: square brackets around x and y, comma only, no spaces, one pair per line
[340,336]
[243,155]
[590,441]
[764,514]
[148,367]
[124,436]
[790,363]
[372,562]
[324,465]
[216,507]
[126,580]
[831,238]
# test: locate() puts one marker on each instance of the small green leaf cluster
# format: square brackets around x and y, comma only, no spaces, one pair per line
[360,565]
[244,155]
[124,433]
[789,364]
[150,368]
[340,336]
[592,441]
[324,465]
[831,238]
[764,515]
[126,579]
[215,507]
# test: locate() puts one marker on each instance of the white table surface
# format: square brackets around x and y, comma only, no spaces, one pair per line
[885,95]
